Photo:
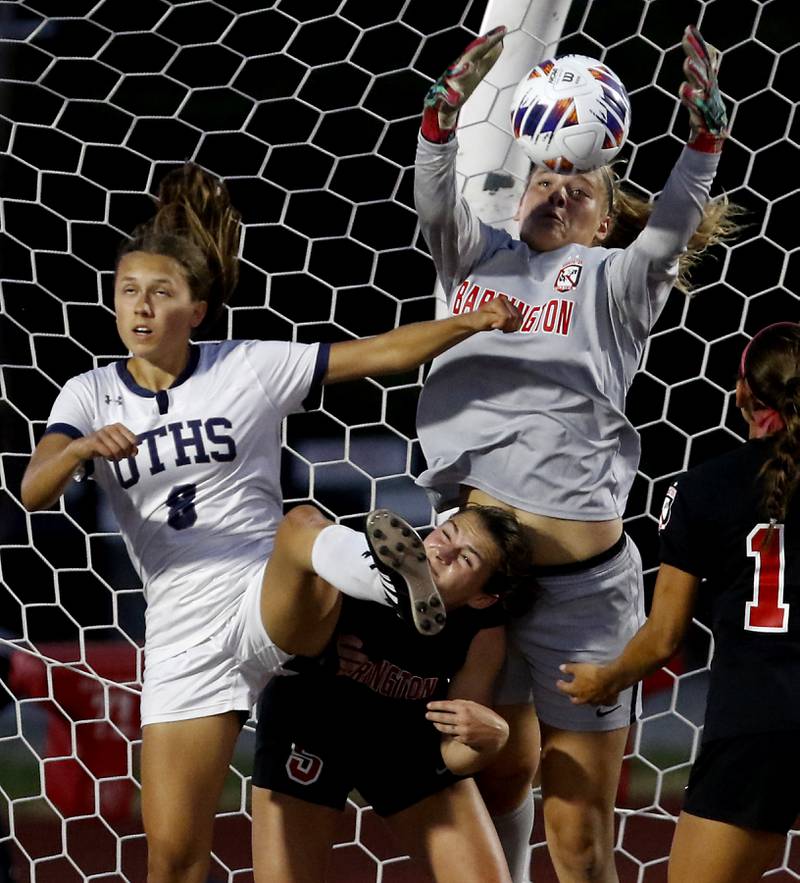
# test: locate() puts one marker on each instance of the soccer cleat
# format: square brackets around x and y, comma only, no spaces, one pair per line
[400,556]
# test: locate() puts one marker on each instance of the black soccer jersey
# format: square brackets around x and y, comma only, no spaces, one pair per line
[321,734]
[713,526]
[405,668]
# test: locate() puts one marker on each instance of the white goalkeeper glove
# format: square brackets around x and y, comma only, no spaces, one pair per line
[447,95]
[700,93]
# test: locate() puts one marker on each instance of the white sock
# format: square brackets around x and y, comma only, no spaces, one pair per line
[514,831]
[341,557]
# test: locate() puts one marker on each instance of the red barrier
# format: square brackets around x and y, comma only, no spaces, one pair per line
[89,723]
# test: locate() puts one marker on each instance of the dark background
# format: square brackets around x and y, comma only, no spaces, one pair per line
[312,121]
[309,110]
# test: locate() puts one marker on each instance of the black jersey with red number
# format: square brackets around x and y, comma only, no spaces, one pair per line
[714,527]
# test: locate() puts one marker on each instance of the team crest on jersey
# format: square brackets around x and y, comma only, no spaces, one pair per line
[569,275]
[666,507]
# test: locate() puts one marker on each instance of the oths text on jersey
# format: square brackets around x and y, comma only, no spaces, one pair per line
[178,444]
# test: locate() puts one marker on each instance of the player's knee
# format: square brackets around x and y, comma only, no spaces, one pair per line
[169,862]
[303,517]
[580,843]
[505,783]
[504,788]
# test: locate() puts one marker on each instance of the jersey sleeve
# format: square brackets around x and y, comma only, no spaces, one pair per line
[640,276]
[682,532]
[72,410]
[458,241]
[290,374]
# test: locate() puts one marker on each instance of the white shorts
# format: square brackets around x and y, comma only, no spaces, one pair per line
[226,672]
[587,616]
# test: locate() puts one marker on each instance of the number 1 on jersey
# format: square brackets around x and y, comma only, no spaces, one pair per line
[767,611]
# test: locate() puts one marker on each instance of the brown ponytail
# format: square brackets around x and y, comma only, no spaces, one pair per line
[197,226]
[771,367]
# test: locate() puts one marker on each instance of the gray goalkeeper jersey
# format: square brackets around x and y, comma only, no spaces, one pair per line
[536,418]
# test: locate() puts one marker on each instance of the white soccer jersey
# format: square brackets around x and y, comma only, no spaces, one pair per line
[536,418]
[199,505]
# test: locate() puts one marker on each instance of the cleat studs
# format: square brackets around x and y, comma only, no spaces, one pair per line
[397,547]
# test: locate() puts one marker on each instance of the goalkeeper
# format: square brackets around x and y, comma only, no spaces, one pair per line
[535,422]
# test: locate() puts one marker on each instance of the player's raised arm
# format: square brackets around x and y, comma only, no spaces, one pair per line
[683,223]
[409,346]
[58,456]
[454,236]
[654,643]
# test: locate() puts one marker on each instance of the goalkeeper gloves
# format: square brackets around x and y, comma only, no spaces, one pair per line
[700,94]
[447,95]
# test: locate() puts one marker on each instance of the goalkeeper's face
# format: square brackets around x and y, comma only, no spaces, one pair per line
[155,310]
[557,210]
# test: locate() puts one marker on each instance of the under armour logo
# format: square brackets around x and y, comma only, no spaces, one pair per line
[117,400]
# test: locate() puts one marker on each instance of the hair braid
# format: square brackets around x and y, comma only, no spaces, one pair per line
[781,472]
[771,367]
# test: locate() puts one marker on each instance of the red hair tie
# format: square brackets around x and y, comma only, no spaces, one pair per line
[766,420]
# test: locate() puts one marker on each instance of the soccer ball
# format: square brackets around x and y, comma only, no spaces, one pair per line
[571,114]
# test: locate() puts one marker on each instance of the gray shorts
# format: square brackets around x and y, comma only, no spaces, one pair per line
[587,616]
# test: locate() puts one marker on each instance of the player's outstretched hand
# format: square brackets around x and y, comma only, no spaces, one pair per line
[700,93]
[499,314]
[112,442]
[589,684]
[447,95]
[477,726]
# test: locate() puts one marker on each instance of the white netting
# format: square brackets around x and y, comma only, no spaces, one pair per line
[310,110]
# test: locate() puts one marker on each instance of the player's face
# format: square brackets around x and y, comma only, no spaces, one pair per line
[462,556]
[155,310]
[556,210]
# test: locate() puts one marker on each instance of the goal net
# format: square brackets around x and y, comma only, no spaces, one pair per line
[310,111]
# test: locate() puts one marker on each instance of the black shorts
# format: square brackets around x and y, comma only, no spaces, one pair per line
[752,781]
[315,741]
